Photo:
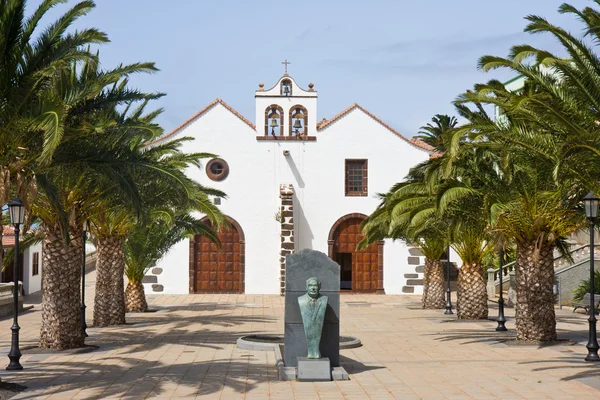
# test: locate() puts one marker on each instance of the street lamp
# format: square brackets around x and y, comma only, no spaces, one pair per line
[501,319]
[17,217]
[591,202]
[448,299]
[86,229]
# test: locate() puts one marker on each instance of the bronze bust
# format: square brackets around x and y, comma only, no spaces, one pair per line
[312,308]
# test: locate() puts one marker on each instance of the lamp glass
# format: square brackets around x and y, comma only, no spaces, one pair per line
[86,225]
[16,211]
[591,202]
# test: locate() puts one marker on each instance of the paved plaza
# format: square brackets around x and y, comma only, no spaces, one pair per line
[187,350]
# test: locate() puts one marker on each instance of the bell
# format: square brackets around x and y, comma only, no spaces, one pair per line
[286,90]
[273,125]
[297,124]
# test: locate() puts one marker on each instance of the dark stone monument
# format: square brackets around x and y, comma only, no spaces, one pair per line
[299,268]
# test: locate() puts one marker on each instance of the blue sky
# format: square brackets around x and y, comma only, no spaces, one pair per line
[403,60]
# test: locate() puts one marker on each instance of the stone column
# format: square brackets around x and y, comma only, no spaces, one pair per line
[286,193]
[512,289]
[491,283]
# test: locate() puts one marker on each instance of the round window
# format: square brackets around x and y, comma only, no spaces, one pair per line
[217,169]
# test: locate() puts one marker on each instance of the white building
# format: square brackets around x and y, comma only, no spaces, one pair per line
[30,264]
[292,182]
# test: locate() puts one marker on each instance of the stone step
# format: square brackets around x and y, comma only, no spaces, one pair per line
[411,275]
[414,282]
[408,289]
[420,268]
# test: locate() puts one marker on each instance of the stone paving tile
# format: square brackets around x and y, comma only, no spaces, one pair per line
[187,350]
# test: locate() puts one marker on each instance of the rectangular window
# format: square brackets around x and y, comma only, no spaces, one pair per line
[356,178]
[35,264]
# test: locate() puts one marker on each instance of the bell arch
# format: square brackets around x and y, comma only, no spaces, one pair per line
[286,87]
[218,270]
[274,120]
[298,121]
[361,271]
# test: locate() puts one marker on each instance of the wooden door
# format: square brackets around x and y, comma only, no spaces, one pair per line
[219,270]
[364,263]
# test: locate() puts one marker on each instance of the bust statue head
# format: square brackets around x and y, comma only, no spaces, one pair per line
[313,285]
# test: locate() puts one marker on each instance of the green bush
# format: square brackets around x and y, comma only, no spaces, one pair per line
[584,287]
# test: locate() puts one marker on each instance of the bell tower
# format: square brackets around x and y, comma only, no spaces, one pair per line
[286,111]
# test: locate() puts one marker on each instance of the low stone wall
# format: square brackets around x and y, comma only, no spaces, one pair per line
[569,278]
[6,298]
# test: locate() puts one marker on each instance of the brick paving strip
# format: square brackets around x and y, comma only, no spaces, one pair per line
[187,350]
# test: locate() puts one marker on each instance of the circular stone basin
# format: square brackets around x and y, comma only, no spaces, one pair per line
[268,342]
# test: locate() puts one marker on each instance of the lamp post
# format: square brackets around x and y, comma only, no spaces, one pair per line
[591,202]
[86,229]
[448,299]
[17,217]
[501,319]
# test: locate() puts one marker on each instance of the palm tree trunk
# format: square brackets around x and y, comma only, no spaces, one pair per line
[426,274]
[135,298]
[434,296]
[61,294]
[472,293]
[109,303]
[535,317]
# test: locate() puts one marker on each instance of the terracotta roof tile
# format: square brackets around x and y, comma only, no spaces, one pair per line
[8,236]
[199,113]
[415,142]
[8,240]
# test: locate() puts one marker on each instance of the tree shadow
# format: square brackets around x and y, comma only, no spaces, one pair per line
[474,336]
[134,378]
[586,369]
[122,366]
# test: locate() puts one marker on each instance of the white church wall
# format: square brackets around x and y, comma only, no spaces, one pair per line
[395,256]
[357,136]
[175,265]
[316,169]
[252,195]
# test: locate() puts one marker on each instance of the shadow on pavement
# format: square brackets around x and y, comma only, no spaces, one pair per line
[354,367]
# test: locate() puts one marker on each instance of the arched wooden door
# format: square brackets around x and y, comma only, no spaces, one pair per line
[361,271]
[218,270]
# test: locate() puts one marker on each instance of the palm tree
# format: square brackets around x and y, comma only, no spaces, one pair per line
[165,193]
[549,141]
[93,161]
[29,60]
[390,219]
[433,134]
[148,243]
[433,246]
[454,180]
[387,221]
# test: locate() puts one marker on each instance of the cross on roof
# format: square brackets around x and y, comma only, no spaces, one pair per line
[285,63]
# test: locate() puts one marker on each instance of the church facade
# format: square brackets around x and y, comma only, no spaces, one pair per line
[292,182]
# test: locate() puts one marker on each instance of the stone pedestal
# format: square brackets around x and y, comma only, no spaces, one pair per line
[299,267]
[314,369]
